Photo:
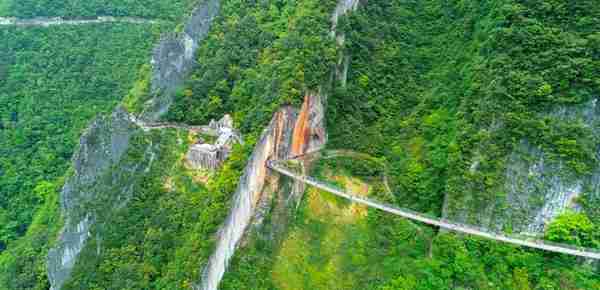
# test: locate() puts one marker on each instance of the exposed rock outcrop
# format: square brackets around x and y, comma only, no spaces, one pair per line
[107,140]
[309,132]
[538,188]
[286,136]
[174,57]
[101,146]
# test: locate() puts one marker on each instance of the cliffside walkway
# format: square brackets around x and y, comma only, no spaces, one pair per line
[146,126]
[442,223]
[54,21]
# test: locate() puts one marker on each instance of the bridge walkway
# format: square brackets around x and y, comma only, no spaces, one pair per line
[467,229]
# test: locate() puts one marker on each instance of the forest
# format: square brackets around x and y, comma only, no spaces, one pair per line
[167,233]
[53,82]
[431,86]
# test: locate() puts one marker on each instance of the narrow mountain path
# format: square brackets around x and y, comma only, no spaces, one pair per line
[54,21]
[148,126]
[442,223]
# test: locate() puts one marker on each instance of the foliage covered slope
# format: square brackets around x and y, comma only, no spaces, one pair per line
[258,57]
[163,238]
[54,81]
[433,87]
[429,82]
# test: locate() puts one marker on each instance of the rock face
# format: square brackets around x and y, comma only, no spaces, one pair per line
[343,7]
[289,133]
[538,189]
[309,132]
[174,57]
[101,146]
[211,156]
[106,141]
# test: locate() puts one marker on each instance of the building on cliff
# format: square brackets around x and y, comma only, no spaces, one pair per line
[210,156]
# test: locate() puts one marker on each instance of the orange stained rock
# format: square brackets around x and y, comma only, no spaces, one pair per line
[302,129]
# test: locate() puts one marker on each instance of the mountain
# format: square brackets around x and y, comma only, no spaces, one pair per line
[476,115]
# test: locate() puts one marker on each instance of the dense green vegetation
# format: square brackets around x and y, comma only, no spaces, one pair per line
[435,87]
[574,228]
[166,10]
[444,86]
[334,244]
[23,264]
[54,81]
[259,56]
[165,232]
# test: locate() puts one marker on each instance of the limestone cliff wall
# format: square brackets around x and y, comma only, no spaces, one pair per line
[175,56]
[104,143]
[538,188]
[290,133]
[309,131]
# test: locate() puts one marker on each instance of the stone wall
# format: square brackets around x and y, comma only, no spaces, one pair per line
[211,156]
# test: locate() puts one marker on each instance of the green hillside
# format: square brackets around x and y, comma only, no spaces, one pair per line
[442,100]
[429,83]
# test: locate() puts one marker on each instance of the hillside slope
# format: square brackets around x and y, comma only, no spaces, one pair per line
[483,112]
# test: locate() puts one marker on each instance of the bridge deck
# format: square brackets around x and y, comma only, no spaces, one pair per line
[471,230]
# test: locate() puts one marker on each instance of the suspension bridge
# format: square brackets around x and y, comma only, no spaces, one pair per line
[278,166]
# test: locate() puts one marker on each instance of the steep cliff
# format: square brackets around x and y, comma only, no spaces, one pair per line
[102,148]
[100,177]
[174,58]
[539,186]
[290,133]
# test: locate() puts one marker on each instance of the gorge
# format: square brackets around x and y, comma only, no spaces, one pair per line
[337,144]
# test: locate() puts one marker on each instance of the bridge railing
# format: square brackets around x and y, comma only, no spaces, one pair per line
[434,220]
